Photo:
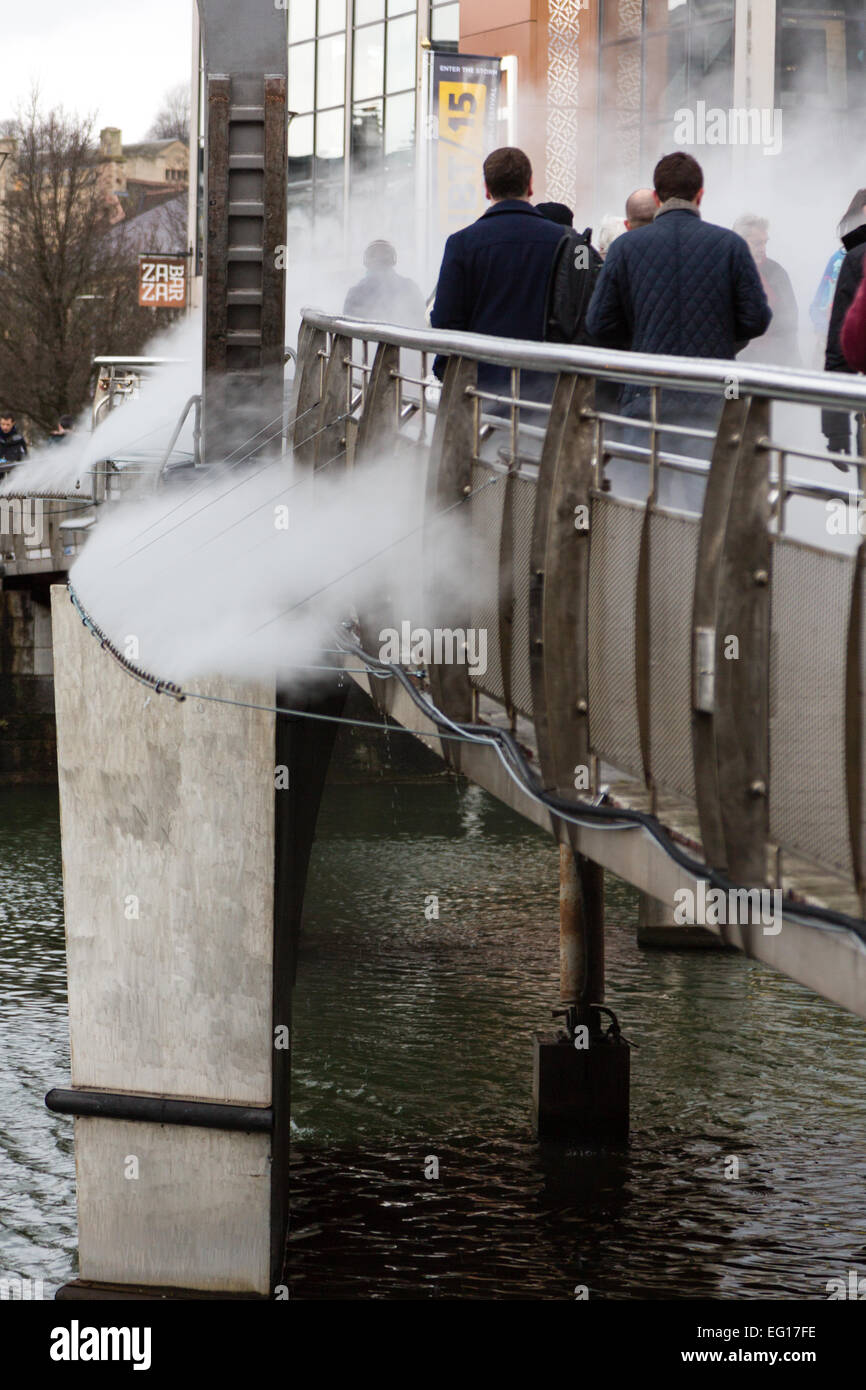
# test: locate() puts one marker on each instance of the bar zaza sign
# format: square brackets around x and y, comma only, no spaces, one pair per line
[161,281]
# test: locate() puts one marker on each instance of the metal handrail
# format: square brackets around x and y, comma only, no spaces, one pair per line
[196,434]
[830,390]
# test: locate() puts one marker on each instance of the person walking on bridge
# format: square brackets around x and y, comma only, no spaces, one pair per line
[495,272]
[836,426]
[780,343]
[684,287]
[852,339]
[640,208]
[383,294]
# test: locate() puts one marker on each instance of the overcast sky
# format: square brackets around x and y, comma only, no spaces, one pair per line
[113,58]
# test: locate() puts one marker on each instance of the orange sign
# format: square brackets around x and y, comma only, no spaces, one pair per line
[161,281]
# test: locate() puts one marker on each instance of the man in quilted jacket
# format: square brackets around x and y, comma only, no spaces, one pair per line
[684,287]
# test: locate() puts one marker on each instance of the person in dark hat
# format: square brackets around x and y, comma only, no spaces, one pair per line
[556,212]
[383,295]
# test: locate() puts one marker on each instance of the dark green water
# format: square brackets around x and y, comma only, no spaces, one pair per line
[413,1040]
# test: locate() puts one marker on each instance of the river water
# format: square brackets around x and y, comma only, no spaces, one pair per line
[412,1042]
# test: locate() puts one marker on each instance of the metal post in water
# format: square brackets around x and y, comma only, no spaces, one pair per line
[570,944]
[581,931]
[581,1075]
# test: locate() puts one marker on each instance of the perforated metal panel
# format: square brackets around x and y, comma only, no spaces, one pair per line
[486,512]
[614,541]
[810,611]
[673,552]
[523,516]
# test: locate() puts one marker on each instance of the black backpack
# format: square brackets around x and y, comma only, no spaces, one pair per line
[575,269]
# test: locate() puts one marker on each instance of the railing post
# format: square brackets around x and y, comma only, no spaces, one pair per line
[330,445]
[377,427]
[312,343]
[376,440]
[449,483]
[559,587]
[742,733]
[717,501]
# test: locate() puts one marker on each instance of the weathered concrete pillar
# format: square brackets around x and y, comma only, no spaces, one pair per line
[183,880]
[580,1079]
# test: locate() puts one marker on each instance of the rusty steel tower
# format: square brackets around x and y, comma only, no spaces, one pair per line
[245,56]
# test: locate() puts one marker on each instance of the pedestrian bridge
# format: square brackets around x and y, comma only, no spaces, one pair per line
[676,695]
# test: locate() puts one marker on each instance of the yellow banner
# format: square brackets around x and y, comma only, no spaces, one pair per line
[465,124]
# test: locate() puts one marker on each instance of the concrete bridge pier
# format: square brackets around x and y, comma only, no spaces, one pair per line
[187,829]
[580,1079]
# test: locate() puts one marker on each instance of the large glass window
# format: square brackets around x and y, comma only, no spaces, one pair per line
[369,63]
[400,67]
[445,23]
[383,86]
[317,89]
[382,75]
[302,76]
[821,57]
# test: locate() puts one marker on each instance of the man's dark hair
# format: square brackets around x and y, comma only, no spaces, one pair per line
[678,176]
[7,415]
[507,173]
[556,212]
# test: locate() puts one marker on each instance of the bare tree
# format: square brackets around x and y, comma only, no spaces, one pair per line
[68,286]
[172,119]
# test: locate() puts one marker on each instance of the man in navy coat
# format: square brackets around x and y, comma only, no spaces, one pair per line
[495,272]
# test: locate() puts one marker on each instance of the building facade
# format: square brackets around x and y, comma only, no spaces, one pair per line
[764,92]
[601,85]
[355,69]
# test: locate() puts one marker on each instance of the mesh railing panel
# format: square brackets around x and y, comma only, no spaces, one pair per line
[810,610]
[614,541]
[673,557]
